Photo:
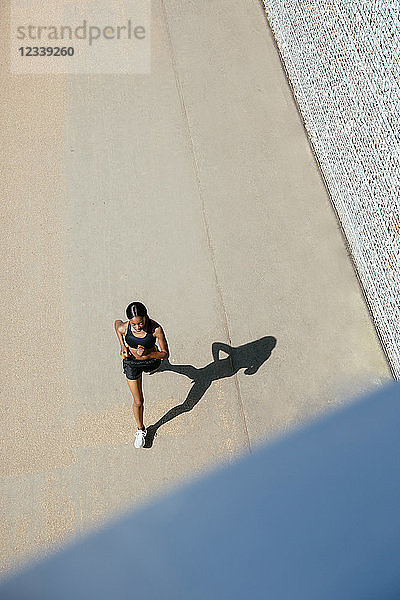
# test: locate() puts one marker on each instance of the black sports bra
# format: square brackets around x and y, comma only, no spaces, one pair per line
[148,341]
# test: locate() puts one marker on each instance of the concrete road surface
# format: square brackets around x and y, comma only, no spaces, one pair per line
[194,190]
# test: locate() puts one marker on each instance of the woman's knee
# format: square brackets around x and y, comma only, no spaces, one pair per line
[138,401]
[136,390]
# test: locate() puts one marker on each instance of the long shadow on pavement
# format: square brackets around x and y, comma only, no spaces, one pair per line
[248,356]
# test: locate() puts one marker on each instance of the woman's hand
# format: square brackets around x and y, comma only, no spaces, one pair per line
[123,352]
[140,350]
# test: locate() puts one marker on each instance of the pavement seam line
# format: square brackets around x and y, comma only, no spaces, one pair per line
[204,217]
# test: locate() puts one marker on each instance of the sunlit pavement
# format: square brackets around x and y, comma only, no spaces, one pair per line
[194,190]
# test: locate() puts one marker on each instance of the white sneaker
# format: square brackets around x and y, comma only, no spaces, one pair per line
[140,438]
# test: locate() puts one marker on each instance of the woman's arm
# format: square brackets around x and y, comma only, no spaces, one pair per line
[162,342]
[120,331]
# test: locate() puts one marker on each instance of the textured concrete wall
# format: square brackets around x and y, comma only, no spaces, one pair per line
[342,59]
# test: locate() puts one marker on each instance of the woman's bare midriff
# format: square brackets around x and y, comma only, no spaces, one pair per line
[133,351]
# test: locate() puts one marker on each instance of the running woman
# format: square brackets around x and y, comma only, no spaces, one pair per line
[140,353]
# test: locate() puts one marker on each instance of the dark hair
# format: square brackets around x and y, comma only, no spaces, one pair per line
[136,309]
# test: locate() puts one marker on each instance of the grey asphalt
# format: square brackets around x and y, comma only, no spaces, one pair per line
[194,190]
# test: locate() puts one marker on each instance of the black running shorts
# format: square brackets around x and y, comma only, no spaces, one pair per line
[133,368]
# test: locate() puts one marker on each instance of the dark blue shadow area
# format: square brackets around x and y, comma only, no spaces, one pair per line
[313,516]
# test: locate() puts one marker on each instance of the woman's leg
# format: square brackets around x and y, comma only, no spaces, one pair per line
[135,385]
